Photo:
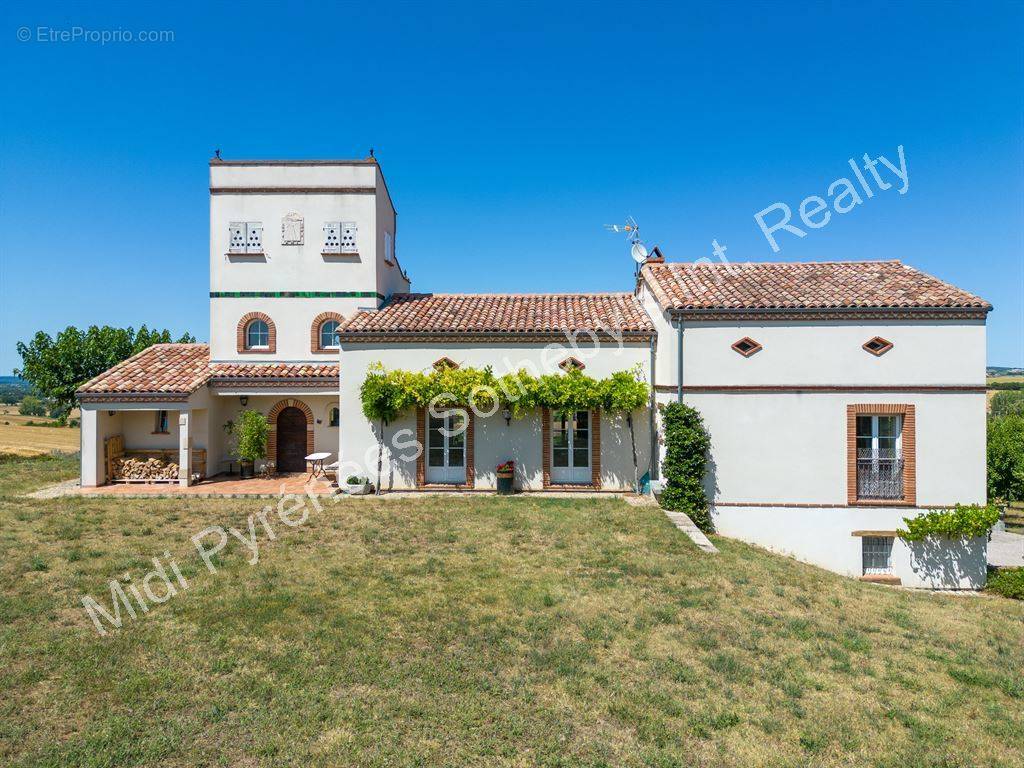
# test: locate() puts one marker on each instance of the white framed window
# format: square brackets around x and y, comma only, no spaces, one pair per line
[570,447]
[328,339]
[446,448]
[389,247]
[245,237]
[257,335]
[876,554]
[880,456]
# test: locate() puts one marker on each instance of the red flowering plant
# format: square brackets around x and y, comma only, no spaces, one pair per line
[508,466]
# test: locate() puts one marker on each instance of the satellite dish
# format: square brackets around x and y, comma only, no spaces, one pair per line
[638,252]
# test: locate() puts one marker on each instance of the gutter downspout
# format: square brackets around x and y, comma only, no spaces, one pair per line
[653,468]
[679,360]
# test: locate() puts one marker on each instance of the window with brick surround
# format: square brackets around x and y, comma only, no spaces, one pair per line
[747,346]
[571,364]
[877,346]
[881,454]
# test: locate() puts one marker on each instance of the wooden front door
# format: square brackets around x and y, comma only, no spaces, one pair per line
[291,440]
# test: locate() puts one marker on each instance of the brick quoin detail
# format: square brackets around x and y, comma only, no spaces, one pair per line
[272,418]
[908,412]
[314,333]
[421,466]
[243,324]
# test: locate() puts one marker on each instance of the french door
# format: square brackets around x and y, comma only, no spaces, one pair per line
[879,457]
[446,448]
[570,447]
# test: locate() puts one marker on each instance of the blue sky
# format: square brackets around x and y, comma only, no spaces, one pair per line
[509,134]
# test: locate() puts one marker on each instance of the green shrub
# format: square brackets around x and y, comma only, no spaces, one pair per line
[964,521]
[1006,458]
[252,435]
[32,406]
[1007,402]
[686,453]
[1008,582]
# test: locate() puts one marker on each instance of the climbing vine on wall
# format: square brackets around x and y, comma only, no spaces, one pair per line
[386,394]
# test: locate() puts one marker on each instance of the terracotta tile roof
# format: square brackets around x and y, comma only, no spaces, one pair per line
[500,314]
[232,371]
[164,369]
[177,370]
[797,285]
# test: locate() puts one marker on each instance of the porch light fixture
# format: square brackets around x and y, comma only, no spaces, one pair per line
[244,400]
[506,414]
[111,413]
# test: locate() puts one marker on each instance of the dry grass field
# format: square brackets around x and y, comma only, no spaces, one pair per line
[21,440]
[457,631]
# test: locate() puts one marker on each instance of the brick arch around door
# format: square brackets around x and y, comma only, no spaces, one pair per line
[285,440]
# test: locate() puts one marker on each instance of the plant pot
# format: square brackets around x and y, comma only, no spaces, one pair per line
[357,489]
[246,468]
[505,482]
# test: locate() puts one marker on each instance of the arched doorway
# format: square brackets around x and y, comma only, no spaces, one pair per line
[291,440]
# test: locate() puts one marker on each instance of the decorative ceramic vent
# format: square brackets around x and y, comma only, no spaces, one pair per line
[445,362]
[746,346]
[571,364]
[348,237]
[878,346]
[332,237]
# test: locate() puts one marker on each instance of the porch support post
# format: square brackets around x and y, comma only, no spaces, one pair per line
[92,450]
[184,448]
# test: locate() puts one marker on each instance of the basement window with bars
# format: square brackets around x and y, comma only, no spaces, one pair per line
[245,237]
[876,555]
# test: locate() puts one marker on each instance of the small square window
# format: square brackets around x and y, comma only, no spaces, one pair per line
[877,555]
[878,346]
[746,346]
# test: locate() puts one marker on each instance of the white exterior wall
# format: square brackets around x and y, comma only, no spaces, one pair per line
[296,267]
[293,318]
[494,442]
[824,537]
[782,447]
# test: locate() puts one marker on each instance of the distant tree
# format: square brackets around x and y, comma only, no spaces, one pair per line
[32,406]
[1006,458]
[1007,402]
[56,368]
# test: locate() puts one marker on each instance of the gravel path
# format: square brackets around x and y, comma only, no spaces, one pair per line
[1006,549]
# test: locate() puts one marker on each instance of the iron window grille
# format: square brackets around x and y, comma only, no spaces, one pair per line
[877,554]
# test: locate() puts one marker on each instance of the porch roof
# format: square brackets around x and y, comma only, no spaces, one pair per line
[164,371]
[171,372]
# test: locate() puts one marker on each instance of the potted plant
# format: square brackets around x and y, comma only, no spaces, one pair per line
[506,471]
[252,440]
[357,486]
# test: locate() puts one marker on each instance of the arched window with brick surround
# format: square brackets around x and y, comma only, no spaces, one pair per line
[256,334]
[322,339]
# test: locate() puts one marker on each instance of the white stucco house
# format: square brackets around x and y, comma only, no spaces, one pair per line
[840,397]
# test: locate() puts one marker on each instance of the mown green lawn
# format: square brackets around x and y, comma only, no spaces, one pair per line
[478,631]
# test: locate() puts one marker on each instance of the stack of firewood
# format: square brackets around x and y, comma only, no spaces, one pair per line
[145,469]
